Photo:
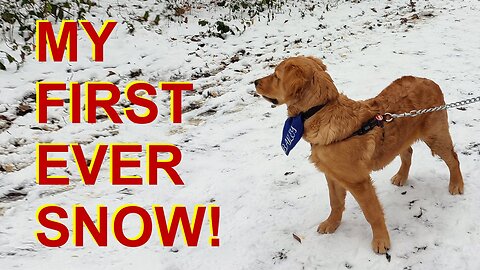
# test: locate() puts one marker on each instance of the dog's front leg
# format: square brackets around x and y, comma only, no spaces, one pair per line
[364,193]
[337,203]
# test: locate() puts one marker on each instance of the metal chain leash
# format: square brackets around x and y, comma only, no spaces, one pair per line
[390,116]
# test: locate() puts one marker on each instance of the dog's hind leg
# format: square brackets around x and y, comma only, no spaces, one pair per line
[439,140]
[337,203]
[441,145]
[400,178]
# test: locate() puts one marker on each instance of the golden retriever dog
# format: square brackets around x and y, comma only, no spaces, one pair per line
[302,83]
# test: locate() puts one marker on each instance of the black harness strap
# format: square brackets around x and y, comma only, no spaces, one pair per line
[376,121]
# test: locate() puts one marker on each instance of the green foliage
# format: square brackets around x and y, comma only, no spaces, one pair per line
[17,21]
[223,28]
[157,20]
[216,18]
[254,8]
[243,12]
[202,22]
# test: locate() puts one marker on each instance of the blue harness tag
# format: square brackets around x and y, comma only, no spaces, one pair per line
[292,133]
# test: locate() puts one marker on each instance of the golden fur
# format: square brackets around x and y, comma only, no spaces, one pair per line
[302,83]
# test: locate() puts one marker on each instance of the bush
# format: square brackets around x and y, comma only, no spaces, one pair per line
[217,18]
[241,11]
[17,21]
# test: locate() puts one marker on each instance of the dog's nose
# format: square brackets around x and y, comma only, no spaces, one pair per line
[256,82]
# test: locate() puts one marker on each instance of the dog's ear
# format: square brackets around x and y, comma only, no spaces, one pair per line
[295,80]
[319,73]
[323,83]
[318,62]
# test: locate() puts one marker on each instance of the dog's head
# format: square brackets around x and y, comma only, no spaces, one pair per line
[299,82]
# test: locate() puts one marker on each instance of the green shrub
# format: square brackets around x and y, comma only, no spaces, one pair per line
[17,21]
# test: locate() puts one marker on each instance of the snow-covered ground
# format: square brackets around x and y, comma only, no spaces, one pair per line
[230,143]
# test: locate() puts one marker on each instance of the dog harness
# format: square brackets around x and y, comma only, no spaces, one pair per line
[293,127]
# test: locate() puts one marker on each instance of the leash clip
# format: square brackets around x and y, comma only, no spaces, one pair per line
[388,117]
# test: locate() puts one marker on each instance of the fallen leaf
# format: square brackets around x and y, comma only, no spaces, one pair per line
[296,237]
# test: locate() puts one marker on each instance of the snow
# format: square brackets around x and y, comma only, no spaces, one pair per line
[230,143]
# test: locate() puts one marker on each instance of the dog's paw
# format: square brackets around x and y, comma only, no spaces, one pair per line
[328,226]
[455,189]
[399,180]
[381,245]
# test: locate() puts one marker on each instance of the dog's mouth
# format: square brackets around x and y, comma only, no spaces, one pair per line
[272,100]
